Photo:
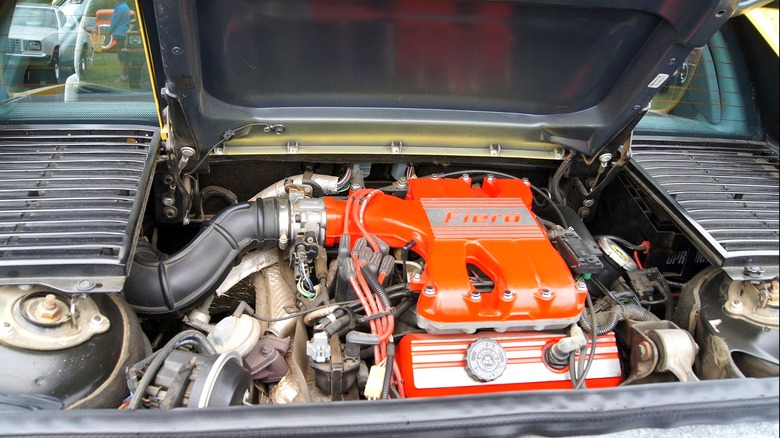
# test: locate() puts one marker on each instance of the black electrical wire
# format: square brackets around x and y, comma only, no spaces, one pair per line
[231,134]
[375,286]
[553,205]
[188,337]
[405,257]
[572,371]
[606,291]
[209,192]
[593,339]
[402,307]
[581,362]
[556,179]
[676,284]
[666,292]
[388,369]
[395,288]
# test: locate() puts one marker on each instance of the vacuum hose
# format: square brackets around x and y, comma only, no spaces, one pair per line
[160,284]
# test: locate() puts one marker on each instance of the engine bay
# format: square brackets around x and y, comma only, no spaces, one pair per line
[344,281]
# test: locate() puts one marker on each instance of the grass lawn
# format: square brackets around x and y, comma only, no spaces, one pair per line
[105,70]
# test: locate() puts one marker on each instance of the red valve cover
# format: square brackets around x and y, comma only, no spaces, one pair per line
[491,228]
[438,365]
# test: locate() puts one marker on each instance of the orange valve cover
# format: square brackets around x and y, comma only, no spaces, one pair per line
[490,228]
[442,365]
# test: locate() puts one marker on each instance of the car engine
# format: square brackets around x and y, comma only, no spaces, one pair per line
[369,281]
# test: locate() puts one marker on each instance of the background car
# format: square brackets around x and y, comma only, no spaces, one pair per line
[48,43]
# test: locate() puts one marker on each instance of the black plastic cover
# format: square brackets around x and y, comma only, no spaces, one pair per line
[565,72]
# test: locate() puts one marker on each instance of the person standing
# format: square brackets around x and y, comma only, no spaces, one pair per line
[120,24]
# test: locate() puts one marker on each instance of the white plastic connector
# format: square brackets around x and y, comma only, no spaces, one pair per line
[376,378]
[318,348]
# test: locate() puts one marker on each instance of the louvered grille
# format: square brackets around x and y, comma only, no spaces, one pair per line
[14,45]
[724,192]
[70,202]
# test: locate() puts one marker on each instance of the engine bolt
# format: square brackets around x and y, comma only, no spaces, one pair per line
[526,181]
[170,212]
[6,329]
[168,201]
[266,350]
[753,271]
[736,305]
[581,285]
[465,177]
[490,177]
[507,295]
[429,291]
[96,322]
[605,159]
[645,351]
[476,296]
[85,285]
[434,176]
[416,276]
[545,293]
[49,302]
[402,182]
[588,202]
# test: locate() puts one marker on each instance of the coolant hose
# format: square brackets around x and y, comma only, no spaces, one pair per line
[160,284]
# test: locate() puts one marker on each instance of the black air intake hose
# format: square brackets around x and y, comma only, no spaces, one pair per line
[160,284]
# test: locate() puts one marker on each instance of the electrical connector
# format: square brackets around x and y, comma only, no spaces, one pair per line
[318,348]
[375,381]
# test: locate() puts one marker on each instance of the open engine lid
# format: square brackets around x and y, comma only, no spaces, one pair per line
[443,77]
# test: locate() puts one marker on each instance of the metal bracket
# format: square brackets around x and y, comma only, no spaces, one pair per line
[395,148]
[494,150]
[292,147]
[659,347]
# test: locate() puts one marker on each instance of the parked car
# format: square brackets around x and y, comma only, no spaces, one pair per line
[47,43]
[417,217]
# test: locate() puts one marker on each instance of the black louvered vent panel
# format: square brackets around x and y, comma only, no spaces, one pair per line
[70,202]
[724,192]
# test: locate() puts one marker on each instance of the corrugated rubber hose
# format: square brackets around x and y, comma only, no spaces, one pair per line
[160,284]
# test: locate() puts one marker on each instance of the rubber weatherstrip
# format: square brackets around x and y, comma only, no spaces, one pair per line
[508,414]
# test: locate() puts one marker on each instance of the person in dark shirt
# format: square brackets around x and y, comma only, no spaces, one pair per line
[120,24]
